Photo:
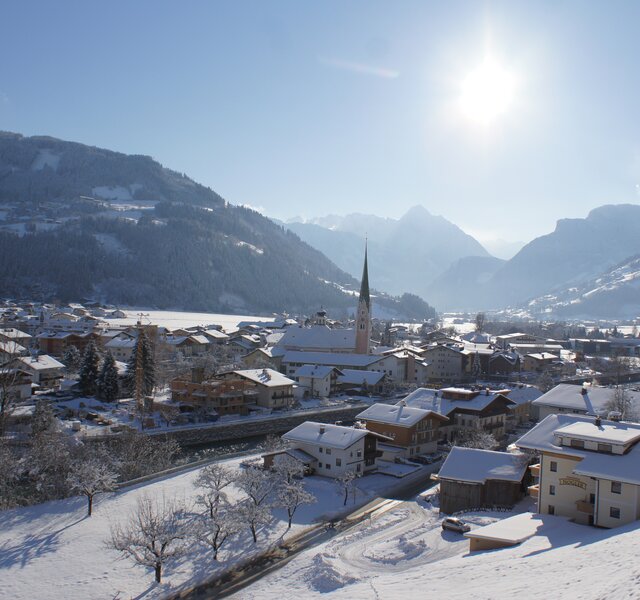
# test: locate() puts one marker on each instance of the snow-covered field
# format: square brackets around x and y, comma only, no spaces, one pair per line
[53,551]
[405,554]
[179,319]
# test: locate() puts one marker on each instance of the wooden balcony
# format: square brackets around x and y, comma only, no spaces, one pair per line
[584,507]
[535,470]
[534,490]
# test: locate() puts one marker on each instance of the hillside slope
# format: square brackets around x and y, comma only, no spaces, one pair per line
[82,222]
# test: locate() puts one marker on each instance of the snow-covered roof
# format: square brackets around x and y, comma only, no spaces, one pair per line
[543,356]
[11,348]
[523,394]
[356,377]
[266,377]
[314,371]
[14,334]
[318,337]
[325,434]
[615,467]
[611,433]
[518,528]
[570,397]
[428,399]
[476,466]
[396,414]
[337,359]
[121,342]
[41,362]
[201,339]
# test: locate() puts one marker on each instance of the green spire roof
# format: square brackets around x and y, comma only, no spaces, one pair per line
[364,286]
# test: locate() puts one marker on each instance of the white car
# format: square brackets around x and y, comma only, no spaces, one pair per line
[455,524]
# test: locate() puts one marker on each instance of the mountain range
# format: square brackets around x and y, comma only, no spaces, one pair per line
[432,257]
[80,222]
[406,254]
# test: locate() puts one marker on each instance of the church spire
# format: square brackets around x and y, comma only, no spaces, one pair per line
[364,286]
[363,318]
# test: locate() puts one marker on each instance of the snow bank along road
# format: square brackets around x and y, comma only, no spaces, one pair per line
[406,551]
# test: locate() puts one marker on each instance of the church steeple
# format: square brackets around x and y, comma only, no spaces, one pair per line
[363,318]
[364,285]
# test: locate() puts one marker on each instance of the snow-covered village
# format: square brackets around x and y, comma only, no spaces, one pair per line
[319,300]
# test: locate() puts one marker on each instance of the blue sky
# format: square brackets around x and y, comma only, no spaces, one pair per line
[301,108]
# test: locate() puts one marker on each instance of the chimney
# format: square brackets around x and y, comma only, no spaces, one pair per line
[322,429]
[598,421]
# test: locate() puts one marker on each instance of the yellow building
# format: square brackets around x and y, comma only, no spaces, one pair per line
[589,469]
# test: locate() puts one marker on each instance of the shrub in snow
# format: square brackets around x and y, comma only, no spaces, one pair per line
[154,535]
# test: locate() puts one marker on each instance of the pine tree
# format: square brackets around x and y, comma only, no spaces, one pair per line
[72,360]
[147,365]
[107,384]
[89,370]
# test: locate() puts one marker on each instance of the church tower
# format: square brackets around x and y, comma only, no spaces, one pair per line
[363,318]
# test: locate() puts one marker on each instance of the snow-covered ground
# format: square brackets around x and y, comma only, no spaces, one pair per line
[178,319]
[53,551]
[405,554]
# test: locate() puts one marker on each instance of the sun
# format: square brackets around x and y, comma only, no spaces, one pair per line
[487,92]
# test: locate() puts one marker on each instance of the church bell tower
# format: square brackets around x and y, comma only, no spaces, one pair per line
[363,318]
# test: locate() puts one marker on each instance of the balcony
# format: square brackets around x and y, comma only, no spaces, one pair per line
[534,490]
[535,470]
[584,506]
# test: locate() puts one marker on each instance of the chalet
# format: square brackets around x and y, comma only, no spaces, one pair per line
[16,383]
[472,479]
[466,408]
[261,358]
[9,350]
[121,346]
[356,381]
[231,396]
[45,371]
[336,449]
[589,469]
[414,430]
[317,381]
[10,334]
[442,363]
[504,363]
[274,390]
[566,398]
[542,361]
[56,343]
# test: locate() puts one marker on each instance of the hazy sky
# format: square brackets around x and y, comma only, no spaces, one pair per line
[501,116]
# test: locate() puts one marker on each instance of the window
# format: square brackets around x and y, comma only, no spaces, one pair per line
[616,487]
[577,444]
[328,467]
[605,448]
[338,462]
[319,465]
[328,450]
[320,450]
[552,509]
[552,490]
[614,512]
[359,454]
[592,498]
[358,467]
[553,466]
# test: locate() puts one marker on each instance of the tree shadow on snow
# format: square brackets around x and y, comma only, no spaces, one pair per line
[31,547]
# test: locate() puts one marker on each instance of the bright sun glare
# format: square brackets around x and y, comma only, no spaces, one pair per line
[487,92]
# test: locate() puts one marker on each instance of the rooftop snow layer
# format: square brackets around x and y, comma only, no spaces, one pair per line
[324,434]
[395,414]
[476,466]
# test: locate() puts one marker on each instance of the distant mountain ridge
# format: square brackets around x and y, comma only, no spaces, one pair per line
[83,222]
[406,254]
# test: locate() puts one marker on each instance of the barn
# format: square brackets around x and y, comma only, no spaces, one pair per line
[471,478]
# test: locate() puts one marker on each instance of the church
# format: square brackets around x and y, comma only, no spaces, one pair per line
[319,337]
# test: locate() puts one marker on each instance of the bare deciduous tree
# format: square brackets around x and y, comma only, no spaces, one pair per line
[216,529]
[621,402]
[287,469]
[253,515]
[213,479]
[92,474]
[256,484]
[347,484]
[291,496]
[153,536]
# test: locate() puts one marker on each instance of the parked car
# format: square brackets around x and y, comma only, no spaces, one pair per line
[455,524]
